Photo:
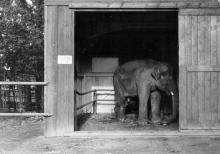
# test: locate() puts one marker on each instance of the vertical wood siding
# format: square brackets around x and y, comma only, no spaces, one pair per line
[60,93]
[199,38]
[99,83]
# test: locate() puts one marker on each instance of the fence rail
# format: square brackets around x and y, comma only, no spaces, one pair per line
[94,101]
[25,83]
[25,114]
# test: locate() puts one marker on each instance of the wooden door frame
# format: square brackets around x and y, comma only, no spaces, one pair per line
[186,65]
[111,5]
[120,10]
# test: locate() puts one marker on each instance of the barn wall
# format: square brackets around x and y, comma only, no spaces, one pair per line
[199,60]
[59,96]
[91,80]
[136,3]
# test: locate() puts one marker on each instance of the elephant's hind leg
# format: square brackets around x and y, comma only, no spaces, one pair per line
[155,106]
[120,101]
[143,94]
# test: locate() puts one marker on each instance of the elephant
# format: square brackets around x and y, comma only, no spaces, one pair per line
[155,99]
[140,78]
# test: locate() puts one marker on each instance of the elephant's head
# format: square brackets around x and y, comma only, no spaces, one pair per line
[163,76]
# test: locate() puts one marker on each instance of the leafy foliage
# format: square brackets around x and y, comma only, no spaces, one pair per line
[22,47]
[22,40]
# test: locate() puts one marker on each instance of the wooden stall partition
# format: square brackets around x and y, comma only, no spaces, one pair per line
[106,105]
[199,52]
[59,70]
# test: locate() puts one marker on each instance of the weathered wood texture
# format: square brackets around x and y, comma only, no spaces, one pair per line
[96,76]
[59,96]
[96,82]
[199,61]
[147,134]
[135,3]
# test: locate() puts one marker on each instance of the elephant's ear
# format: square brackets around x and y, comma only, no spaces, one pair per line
[156,72]
[166,69]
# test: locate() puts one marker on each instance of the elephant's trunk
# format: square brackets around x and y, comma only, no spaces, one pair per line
[174,106]
[174,93]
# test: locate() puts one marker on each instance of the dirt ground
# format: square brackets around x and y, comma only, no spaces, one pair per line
[25,136]
[108,122]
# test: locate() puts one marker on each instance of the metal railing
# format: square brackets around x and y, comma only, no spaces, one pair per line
[25,114]
[95,100]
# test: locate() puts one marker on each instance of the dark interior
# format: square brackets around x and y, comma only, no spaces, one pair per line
[128,35]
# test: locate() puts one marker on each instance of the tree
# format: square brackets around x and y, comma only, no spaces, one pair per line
[22,41]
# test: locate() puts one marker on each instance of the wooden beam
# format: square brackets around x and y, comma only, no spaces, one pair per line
[95,74]
[106,104]
[26,114]
[25,83]
[77,108]
[105,100]
[57,2]
[105,94]
[50,61]
[199,12]
[167,5]
[128,134]
[85,92]
[132,4]
[88,5]
[203,68]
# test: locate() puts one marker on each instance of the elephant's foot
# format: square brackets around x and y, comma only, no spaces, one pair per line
[121,119]
[120,114]
[169,119]
[156,120]
[143,122]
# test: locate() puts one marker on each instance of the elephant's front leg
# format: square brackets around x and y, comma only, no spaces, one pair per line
[155,106]
[120,113]
[143,94]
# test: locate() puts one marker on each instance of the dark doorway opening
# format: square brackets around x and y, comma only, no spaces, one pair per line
[127,35]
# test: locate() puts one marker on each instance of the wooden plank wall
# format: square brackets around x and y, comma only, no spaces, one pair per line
[100,83]
[199,37]
[90,79]
[59,95]
[135,3]
[88,83]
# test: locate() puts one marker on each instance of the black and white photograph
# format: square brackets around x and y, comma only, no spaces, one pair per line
[109,76]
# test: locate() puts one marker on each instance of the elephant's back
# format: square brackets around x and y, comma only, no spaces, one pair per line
[132,67]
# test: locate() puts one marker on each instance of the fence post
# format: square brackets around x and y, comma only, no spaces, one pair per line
[75,112]
[95,103]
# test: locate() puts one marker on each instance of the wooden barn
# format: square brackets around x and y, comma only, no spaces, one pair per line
[86,40]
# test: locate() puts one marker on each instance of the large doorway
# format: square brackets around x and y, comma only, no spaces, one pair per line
[126,36]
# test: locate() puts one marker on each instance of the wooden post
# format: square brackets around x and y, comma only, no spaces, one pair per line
[75,113]
[95,103]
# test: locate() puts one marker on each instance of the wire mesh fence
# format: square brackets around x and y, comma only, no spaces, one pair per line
[21,98]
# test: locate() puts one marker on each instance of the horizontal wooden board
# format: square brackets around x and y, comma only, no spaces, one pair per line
[25,83]
[203,126]
[115,134]
[95,74]
[200,12]
[135,4]
[25,114]
[142,4]
[203,68]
